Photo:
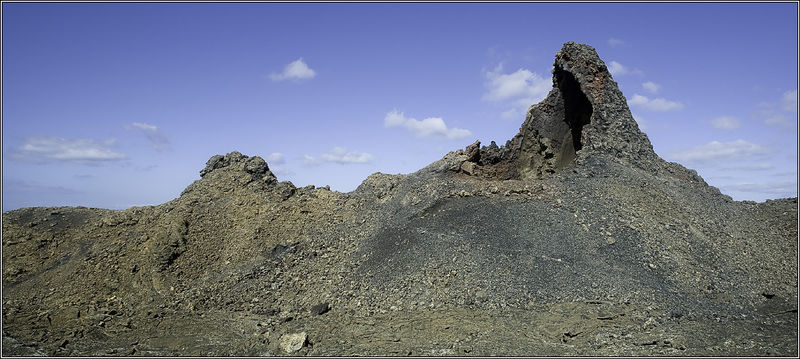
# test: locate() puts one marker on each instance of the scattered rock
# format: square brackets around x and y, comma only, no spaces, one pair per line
[320,309]
[291,343]
[469,168]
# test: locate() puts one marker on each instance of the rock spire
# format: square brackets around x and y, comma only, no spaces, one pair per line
[584,114]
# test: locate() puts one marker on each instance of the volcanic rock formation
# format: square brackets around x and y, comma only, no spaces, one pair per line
[573,238]
[584,109]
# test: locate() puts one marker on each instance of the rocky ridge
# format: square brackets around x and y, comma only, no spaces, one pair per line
[573,238]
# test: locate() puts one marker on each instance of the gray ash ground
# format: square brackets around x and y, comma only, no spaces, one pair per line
[565,241]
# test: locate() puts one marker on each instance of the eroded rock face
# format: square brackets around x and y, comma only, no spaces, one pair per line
[552,132]
[584,113]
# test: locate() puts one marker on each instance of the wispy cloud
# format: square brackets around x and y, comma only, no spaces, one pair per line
[718,151]
[433,127]
[656,104]
[773,118]
[614,42]
[158,141]
[726,123]
[775,188]
[56,149]
[295,70]
[338,155]
[518,90]
[789,101]
[26,186]
[276,158]
[309,160]
[782,113]
[651,86]
[751,167]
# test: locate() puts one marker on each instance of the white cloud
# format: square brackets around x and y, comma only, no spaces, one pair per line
[342,155]
[617,69]
[276,158]
[789,101]
[522,87]
[726,123]
[48,149]
[309,160]
[297,70]
[517,90]
[657,104]
[651,86]
[718,151]
[158,141]
[615,42]
[338,155]
[429,127]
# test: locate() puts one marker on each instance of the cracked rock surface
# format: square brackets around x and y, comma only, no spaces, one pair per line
[573,238]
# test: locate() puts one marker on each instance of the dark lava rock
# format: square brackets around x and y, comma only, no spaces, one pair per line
[583,115]
[320,309]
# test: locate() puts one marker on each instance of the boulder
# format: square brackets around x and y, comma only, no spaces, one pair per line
[293,342]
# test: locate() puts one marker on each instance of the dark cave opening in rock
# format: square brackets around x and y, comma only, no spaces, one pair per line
[577,108]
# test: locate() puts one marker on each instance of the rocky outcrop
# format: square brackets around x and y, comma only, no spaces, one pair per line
[584,114]
[255,166]
[235,172]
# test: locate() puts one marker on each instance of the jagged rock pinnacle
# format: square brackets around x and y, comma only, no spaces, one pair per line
[585,113]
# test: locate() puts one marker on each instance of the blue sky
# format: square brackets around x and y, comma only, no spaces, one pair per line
[120,104]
